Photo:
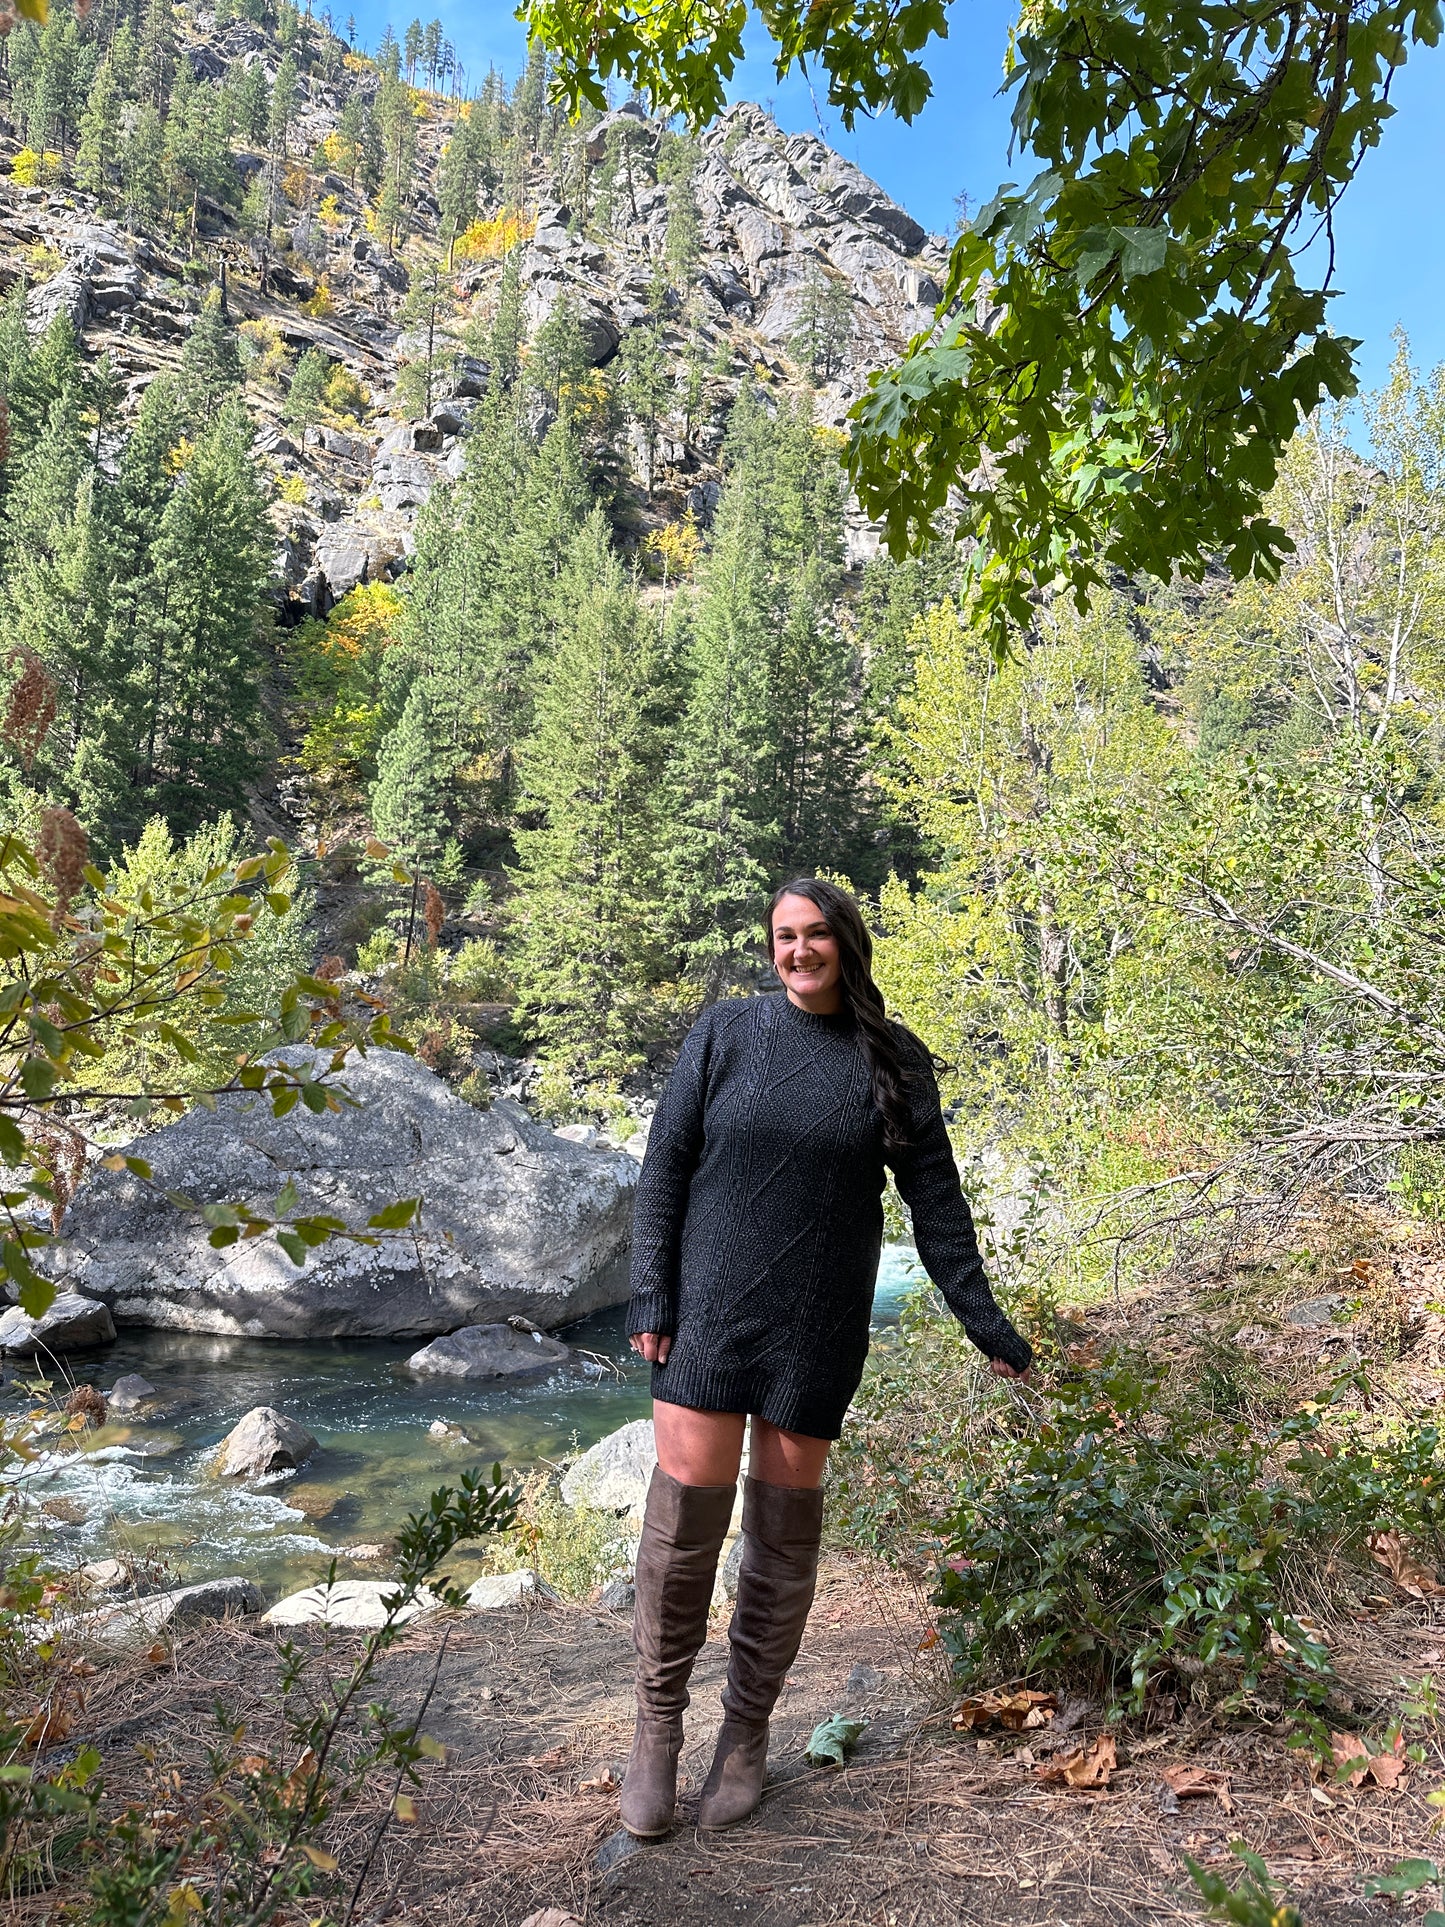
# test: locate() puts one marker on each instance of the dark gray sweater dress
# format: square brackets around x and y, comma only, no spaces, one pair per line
[759,1217]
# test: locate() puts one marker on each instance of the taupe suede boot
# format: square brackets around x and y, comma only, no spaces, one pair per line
[781,1528]
[682,1532]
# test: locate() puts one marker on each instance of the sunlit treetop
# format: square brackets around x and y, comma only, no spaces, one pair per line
[1126,341]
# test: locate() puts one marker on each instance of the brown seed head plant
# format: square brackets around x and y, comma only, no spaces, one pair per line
[434,914]
[61,851]
[31,708]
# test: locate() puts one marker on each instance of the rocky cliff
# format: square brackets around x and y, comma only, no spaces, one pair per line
[782,221]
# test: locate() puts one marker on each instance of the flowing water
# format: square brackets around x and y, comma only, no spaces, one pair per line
[147,1490]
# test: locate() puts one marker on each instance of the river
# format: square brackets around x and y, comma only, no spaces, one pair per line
[147,1491]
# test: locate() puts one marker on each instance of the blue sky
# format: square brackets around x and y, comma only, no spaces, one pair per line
[1390,233]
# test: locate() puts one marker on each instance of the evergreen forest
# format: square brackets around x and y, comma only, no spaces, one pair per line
[1155,884]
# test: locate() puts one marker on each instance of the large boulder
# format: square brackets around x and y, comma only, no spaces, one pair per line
[515,1221]
[358,1603]
[264,1441]
[614,1474]
[487,1351]
[74,1323]
[136,1619]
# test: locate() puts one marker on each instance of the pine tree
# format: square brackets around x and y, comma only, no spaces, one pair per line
[97,155]
[431,351]
[411,49]
[207,627]
[583,914]
[142,156]
[210,365]
[285,96]
[824,327]
[251,102]
[408,799]
[677,164]
[305,398]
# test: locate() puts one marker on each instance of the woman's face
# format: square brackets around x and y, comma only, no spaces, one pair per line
[805,956]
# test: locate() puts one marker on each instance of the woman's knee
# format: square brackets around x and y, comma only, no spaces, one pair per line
[698,1448]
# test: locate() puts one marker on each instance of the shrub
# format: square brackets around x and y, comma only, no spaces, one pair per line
[346,394]
[478,972]
[1122,1536]
[320,305]
[573,1549]
[31,169]
[490,240]
[377,953]
[292,489]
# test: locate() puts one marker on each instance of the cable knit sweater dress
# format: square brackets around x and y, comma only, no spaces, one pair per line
[759,1217]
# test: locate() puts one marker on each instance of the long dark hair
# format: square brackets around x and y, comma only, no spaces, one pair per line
[863,998]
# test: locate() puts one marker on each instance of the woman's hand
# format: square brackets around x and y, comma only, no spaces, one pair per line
[1001,1369]
[653,1346]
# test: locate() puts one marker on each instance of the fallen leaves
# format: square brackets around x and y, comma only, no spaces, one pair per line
[1198,1782]
[1389,1550]
[1354,1763]
[1019,1712]
[1086,1771]
[604,1782]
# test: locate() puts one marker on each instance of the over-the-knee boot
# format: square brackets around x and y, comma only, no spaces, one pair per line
[781,1528]
[682,1532]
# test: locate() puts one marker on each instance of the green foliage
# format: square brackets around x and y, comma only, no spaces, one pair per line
[1255,1900]
[1124,1532]
[1127,339]
[572,1548]
[479,971]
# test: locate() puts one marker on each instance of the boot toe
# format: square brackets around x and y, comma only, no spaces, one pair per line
[734,1788]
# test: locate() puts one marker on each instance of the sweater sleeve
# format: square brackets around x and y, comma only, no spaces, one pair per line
[674,1145]
[927,1180]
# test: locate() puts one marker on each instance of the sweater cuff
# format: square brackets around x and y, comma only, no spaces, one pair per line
[1002,1341]
[651,1311]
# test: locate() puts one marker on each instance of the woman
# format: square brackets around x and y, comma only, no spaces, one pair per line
[756,1238]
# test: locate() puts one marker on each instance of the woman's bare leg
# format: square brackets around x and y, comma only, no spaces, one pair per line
[698,1448]
[786,1458]
[705,1448]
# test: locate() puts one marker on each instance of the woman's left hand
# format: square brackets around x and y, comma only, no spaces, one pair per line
[1002,1369]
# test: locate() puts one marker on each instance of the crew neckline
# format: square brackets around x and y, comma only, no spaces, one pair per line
[840,1019]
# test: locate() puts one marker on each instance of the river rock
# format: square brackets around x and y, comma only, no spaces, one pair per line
[129,1392]
[487,1351]
[137,1619]
[617,1596]
[264,1441]
[496,1591]
[357,1603]
[614,1474]
[514,1220]
[73,1324]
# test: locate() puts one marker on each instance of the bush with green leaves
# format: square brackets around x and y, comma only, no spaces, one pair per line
[1125,1534]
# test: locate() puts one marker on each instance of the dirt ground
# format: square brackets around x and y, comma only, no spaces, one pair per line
[924,1826]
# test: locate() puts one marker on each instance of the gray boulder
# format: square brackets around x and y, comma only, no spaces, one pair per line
[129,1393]
[264,1441]
[74,1323]
[357,1603]
[487,1351]
[514,1220]
[497,1591]
[614,1474]
[137,1619]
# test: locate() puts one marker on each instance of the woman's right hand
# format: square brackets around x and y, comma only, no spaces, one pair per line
[653,1346]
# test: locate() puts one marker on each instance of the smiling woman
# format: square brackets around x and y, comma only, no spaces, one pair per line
[756,1240]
